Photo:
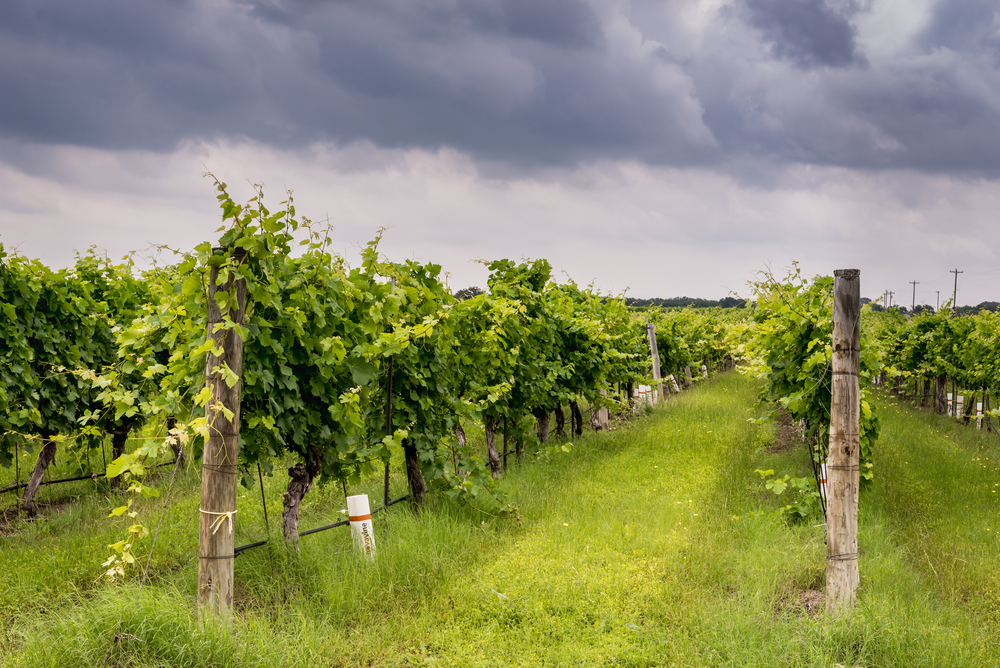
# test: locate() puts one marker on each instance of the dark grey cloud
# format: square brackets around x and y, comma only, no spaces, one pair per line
[968,26]
[504,79]
[806,32]
[545,82]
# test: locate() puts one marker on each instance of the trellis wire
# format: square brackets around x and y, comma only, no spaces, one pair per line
[249,546]
[92,476]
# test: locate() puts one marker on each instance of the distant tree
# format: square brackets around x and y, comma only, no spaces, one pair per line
[973,310]
[874,305]
[681,302]
[469,293]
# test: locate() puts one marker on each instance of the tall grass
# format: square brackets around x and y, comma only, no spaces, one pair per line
[652,545]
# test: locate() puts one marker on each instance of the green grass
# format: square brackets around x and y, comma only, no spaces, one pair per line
[652,545]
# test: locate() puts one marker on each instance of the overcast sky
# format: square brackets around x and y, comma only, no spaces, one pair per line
[671,147]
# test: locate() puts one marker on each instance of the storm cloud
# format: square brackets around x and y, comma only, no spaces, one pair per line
[807,32]
[667,146]
[559,82]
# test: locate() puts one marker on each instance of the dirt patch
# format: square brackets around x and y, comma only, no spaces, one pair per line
[799,603]
[812,602]
[9,520]
[12,518]
[787,434]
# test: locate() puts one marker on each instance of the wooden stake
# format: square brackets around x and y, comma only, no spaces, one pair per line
[843,469]
[17,470]
[388,423]
[263,499]
[504,442]
[216,533]
[388,408]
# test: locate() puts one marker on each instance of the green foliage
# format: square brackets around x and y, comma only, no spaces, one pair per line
[789,345]
[931,345]
[428,366]
[54,324]
[803,497]
[692,337]
[313,337]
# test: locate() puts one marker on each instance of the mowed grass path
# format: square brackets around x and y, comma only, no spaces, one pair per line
[651,545]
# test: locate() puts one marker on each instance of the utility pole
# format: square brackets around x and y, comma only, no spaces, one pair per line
[891,295]
[913,306]
[954,298]
[938,307]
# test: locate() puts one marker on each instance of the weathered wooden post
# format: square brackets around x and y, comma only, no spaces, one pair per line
[216,533]
[655,355]
[843,468]
[600,419]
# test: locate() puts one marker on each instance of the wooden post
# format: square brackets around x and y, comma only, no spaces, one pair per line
[655,355]
[843,469]
[604,415]
[216,535]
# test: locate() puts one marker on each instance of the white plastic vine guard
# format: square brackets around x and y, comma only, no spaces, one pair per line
[362,531]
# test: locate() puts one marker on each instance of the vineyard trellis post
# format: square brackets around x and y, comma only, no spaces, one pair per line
[843,468]
[603,415]
[216,535]
[655,355]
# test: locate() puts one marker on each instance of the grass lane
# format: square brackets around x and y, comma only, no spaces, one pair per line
[651,545]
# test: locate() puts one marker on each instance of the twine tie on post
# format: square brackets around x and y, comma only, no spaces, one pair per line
[222,517]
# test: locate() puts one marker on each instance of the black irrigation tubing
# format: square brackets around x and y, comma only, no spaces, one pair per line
[995,430]
[511,452]
[249,546]
[92,476]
